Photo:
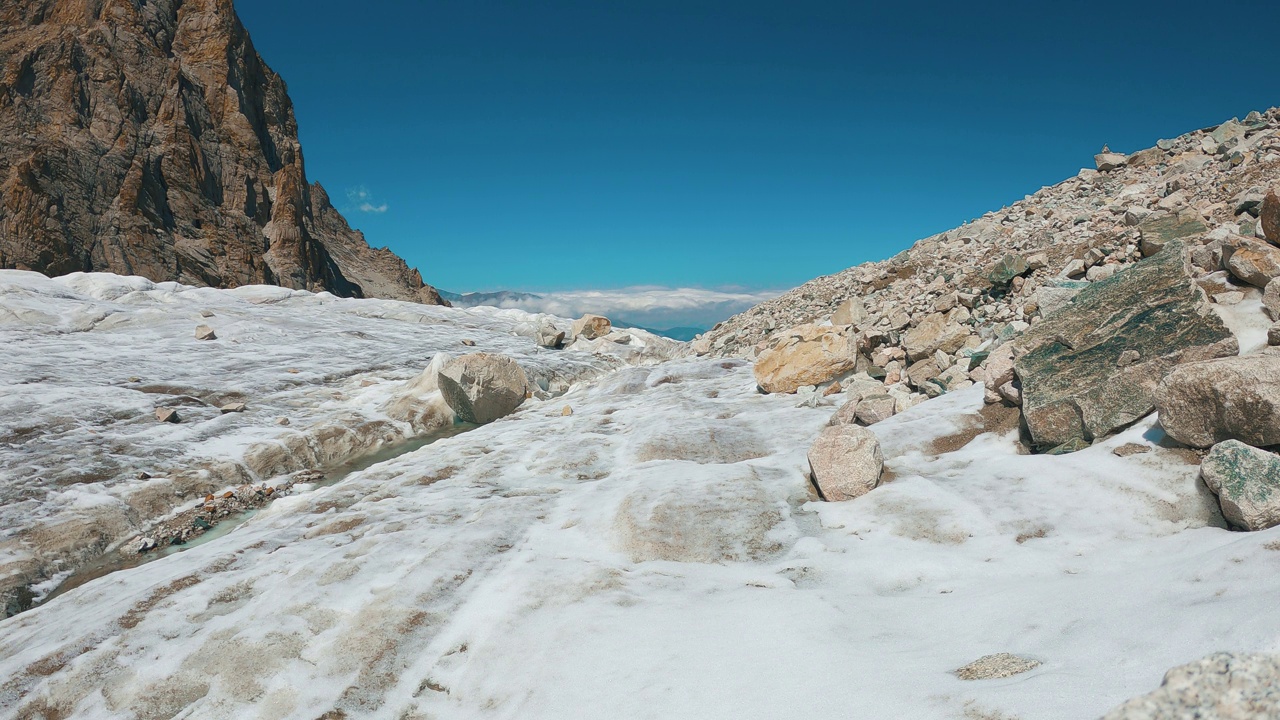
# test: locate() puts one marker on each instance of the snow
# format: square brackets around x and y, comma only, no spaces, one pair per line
[658,553]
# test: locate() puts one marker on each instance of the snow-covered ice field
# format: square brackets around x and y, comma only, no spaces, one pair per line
[658,553]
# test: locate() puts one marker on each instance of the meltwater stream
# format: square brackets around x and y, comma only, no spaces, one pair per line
[115,560]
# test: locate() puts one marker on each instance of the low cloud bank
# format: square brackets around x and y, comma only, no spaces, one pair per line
[652,307]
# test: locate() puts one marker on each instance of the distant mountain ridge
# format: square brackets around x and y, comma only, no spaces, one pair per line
[474,299]
[514,298]
[147,137]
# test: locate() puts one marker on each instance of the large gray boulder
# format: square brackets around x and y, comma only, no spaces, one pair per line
[845,462]
[1222,686]
[482,387]
[1247,483]
[1074,384]
[1232,398]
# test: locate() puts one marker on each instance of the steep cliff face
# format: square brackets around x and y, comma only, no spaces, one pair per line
[147,137]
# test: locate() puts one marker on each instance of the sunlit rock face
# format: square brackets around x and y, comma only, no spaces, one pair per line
[149,138]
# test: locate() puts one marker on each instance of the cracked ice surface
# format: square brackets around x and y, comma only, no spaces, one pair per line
[659,554]
[88,357]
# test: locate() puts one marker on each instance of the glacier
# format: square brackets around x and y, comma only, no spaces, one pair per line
[656,553]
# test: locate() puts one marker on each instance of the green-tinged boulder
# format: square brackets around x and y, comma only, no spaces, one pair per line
[1007,268]
[1157,231]
[1247,483]
[1074,385]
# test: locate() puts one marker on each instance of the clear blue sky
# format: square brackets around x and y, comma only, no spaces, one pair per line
[601,144]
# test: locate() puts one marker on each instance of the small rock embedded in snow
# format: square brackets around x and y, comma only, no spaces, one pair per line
[567,411]
[1233,297]
[282,421]
[993,667]
[204,332]
[168,415]
[235,407]
[469,343]
[1128,449]
[845,462]
[206,313]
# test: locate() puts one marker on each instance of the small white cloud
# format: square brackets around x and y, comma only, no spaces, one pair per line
[649,306]
[359,198]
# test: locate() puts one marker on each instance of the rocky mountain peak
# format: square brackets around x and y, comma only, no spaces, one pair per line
[150,138]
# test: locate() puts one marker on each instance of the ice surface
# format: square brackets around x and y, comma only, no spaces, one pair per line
[659,553]
[88,357]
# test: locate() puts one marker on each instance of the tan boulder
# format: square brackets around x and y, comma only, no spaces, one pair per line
[1271,299]
[999,376]
[1253,262]
[938,331]
[1269,217]
[845,462]
[1231,398]
[874,408]
[850,312]
[591,327]
[482,387]
[1108,161]
[803,355]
